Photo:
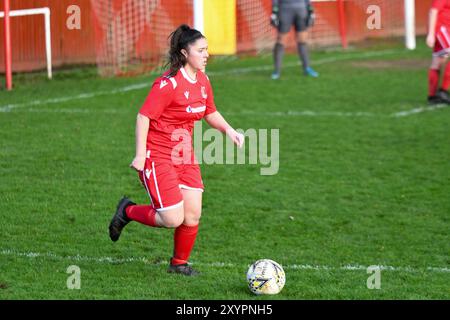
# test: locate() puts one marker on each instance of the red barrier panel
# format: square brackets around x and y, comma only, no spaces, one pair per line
[130,36]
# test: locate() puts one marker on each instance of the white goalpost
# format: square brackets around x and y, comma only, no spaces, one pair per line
[48,44]
[198,15]
[410,32]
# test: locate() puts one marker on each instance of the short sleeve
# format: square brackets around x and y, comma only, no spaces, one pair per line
[210,105]
[438,4]
[158,99]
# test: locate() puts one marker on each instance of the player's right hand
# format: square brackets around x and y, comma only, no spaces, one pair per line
[431,40]
[138,163]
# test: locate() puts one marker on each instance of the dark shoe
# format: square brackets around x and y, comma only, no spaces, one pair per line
[120,219]
[184,269]
[443,95]
[432,100]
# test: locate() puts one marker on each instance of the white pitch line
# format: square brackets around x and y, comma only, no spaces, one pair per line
[418,110]
[111,260]
[138,86]
[288,113]
[75,110]
[309,113]
[306,113]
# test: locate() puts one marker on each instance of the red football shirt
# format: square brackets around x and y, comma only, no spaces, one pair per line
[443,6]
[173,105]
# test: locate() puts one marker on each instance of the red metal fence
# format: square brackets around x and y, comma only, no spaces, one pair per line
[81,46]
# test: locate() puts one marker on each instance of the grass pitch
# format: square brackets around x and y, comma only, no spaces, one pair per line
[364,179]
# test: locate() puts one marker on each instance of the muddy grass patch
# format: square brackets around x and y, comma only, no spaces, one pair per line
[409,64]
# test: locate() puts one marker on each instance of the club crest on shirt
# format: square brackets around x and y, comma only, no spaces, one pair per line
[204,95]
[186,94]
[163,84]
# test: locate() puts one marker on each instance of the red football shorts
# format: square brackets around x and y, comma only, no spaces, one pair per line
[442,45]
[164,181]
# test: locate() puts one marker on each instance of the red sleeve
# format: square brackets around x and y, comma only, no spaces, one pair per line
[438,4]
[210,105]
[158,99]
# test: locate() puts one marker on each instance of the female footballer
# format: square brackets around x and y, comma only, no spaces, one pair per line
[438,38]
[164,157]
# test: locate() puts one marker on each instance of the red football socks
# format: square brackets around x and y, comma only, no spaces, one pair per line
[184,238]
[143,214]
[433,81]
[446,80]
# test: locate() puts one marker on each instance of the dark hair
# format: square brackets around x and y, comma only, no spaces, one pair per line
[180,39]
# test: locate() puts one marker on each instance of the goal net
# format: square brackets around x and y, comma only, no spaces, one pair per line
[362,19]
[132,35]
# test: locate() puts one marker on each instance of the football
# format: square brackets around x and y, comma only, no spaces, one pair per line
[266,276]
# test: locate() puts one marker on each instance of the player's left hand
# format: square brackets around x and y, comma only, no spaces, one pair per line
[274,18]
[311,18]
[236,137]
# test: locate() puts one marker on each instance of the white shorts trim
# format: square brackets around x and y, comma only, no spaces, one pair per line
[442,53]
[179,204]
[156,185]
[183,186]
[444,40]
[146,187]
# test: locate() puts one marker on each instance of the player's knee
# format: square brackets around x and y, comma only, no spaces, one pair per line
[438,62]
[435,63]
[302,36]
[192,218]
[173,222]
[282,39]
[172,218]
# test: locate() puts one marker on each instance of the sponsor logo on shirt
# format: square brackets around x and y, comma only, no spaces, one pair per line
[189,109]
[186,94]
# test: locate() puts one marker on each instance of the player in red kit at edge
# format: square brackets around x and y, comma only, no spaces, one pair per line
[439,39]
[165,158]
